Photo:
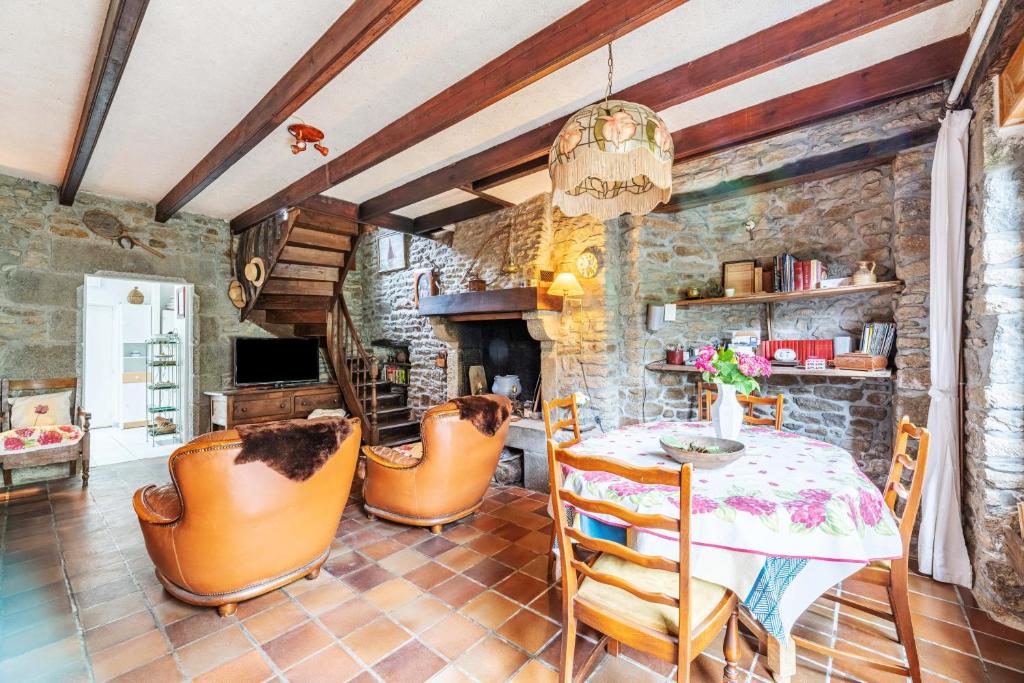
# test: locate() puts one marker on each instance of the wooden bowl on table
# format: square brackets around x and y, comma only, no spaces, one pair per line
[705,452]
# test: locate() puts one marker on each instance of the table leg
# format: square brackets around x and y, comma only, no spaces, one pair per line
[781,659]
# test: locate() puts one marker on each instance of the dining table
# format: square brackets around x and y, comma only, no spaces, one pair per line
[779,526]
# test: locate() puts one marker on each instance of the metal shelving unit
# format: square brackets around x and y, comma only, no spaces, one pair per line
[163,412]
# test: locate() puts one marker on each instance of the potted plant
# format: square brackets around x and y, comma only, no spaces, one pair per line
[731,372]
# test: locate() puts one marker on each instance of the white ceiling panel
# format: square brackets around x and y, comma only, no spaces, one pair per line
[687,32]
[438,43]
[436,203]
[47,50]
[521,189]
[197,67]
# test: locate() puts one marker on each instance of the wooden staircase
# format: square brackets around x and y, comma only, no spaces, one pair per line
[307,255]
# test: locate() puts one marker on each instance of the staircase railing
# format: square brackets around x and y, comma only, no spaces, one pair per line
[353,367]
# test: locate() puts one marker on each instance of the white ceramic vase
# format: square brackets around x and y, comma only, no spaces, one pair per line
[727,413]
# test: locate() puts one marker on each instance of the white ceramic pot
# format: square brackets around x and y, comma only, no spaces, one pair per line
[507,386]
[727,413]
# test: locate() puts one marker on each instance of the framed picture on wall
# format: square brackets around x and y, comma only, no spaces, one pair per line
[390,252]
[424,284]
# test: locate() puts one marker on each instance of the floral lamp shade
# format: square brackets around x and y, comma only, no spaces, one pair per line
[611,158]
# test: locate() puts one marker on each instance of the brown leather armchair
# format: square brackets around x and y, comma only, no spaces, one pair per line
[224,531]
[443,477]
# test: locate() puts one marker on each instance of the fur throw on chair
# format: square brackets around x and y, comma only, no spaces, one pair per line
[486,414]
[296,449]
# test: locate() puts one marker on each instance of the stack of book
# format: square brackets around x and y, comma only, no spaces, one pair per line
[792,275]
[804,348]
[877,339]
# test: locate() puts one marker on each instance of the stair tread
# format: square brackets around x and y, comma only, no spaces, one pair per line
[398,424]
[393,410]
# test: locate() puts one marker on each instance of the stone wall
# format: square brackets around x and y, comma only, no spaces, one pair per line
[46,252]
[994,340]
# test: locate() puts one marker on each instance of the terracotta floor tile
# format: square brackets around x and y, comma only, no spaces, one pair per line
[326,666]
[535,541]
[377,639]
[249,667]
[521,588]
[248,608]
[345,563]
[43,632]
[515,556]
[413,663]
[34,597]
[489,609]
[105,592]
[213,650]
[528,630]
[404,561]
[488,545]
[453,636]
[162,669]
[949,663]
[943,633]
[293,646]
[353,615]
[128,655]
[535,672]
[998,674]
[461,533]
[429,575]
[1002,652]
[491,660]
[549,604]
[271,623]
[552,654]
[421,614]
[381,549]
[980,621]
[197,626]
[925,586]
[172,610]
[305,585]
[486,522]
[452,674]
[488,571]
[435,546]
[412,536]
[119,631]
[392,594]
[42,662]
[457,591]
[459,558]
[368,577]
[112,610]
[325,597]
[937,609]
[511,532]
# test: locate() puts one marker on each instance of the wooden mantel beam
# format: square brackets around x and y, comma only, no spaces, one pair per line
[576,34]
[119,30]
[347,38]
[800,36]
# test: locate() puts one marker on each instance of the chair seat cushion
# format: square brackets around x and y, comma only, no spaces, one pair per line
[26,439]
[41,410]
[704,596]
[402,456]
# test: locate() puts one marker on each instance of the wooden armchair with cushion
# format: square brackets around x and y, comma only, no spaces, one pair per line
[248,510]
[43,423]
[443,477]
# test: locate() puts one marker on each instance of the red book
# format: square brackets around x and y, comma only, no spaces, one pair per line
[805,266]
[798,275]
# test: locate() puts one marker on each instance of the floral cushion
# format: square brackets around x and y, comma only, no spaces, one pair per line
[25,439]
[41,410]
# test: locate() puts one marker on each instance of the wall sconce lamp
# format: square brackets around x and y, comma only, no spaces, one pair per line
[566,286]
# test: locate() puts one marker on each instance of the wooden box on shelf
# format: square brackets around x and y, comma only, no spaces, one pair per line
[860,361]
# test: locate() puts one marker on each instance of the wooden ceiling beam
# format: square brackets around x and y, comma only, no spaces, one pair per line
[800,36]
[901,75]
[576,34]
[453,214]
[347,38]
[119,30]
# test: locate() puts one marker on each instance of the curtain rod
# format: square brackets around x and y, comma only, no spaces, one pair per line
[988,13]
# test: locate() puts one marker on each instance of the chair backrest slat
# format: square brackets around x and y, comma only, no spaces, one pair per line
[645,475]
[589,572]
[775,403]
[603,507]
[572,421]
[625,552]
[895,489]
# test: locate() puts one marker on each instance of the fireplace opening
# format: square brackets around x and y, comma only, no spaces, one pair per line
[503,347]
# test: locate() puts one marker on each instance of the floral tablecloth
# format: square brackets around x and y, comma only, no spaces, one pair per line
[779,526]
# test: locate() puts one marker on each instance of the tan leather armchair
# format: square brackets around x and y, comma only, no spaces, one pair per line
[442,478]
[224,531]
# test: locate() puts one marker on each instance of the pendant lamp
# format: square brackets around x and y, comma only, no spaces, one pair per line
[610,158]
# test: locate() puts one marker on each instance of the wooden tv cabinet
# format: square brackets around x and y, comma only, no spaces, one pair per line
[247,405]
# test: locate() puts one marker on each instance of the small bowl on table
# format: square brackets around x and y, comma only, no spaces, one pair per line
[705,452]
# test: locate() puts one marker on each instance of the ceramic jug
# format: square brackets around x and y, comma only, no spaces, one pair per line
[865,274]
[507,385]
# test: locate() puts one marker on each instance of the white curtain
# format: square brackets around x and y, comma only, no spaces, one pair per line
[940,547]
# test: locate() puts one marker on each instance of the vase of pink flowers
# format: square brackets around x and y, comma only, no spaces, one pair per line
[732,372]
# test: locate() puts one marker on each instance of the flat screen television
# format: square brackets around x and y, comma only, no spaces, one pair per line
[276,360]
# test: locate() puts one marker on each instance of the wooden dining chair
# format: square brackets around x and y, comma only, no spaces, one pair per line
[552,426]
[775,407]
[894,574]
[650,603]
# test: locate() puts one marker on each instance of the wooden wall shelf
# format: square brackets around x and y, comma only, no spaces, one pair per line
[772,297]
[785,370]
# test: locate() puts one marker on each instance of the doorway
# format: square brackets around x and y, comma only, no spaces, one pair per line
[137,366]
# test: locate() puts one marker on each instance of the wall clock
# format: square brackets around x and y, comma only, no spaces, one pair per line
[588,263]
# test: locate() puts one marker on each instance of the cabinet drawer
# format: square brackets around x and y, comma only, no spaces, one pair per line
[263,407]
[305,404]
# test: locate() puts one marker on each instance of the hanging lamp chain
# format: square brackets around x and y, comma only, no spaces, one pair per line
[611,69]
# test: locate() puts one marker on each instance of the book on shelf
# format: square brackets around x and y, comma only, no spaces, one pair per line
[877,339]
[791,275]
